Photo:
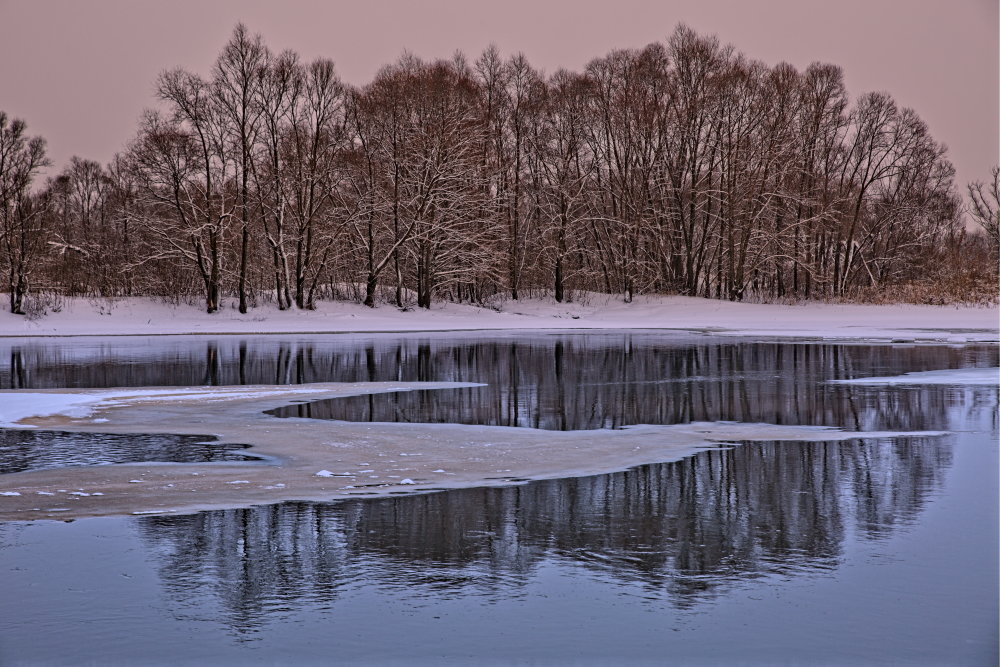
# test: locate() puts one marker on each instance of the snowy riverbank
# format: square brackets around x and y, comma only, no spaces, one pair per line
[138,316]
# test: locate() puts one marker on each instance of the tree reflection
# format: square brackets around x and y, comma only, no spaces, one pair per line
[590,358]
[561,382]
[686,531]
[570,384]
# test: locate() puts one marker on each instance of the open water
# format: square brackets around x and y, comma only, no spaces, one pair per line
[868,551]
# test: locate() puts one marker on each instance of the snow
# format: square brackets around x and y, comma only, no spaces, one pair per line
[141,316]
[16,406]
[959,376]
[19,405]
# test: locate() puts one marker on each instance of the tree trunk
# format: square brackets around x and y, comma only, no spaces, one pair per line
[370,286]
[18,290]
[244,247]
[559,280]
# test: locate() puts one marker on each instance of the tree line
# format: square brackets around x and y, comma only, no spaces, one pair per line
[682,167]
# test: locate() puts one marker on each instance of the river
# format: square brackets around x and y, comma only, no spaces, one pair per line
[863,551]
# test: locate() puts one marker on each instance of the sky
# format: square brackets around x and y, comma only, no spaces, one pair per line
[80,72]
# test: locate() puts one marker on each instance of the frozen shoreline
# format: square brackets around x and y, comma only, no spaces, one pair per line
[813,320]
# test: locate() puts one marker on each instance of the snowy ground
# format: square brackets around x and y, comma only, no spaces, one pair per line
[81,317]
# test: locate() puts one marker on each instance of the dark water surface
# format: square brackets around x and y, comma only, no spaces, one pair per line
[856,552]
[22,450]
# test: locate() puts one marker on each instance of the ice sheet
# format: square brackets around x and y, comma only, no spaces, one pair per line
[16,406]
[957,376]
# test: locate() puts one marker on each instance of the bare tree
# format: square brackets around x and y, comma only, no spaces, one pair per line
[512,89]
[86,246]
[440,193]
[180,167]
[682,166]
[235,84]
[986,206]
[378,121]
[321,207]
[23,216]
[123,213]
[280,90]
[565,171]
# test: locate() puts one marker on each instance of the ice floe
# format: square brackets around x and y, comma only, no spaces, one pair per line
[960,376]
[19,405]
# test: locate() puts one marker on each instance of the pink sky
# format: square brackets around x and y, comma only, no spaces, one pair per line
[81,71]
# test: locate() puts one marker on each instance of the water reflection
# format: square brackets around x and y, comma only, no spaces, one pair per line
[514,361]
[22,450]
[569,384]
[685,531]
[679,534]
[561,382]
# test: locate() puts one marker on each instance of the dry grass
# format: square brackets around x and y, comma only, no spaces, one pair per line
[950,283]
